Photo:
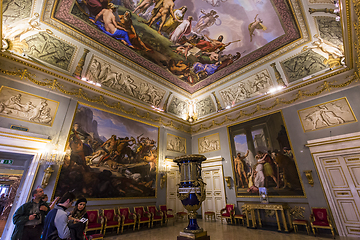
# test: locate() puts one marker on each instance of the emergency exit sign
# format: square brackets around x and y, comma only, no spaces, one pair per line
[6,161]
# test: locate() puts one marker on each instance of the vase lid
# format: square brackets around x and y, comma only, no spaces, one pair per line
[191,158]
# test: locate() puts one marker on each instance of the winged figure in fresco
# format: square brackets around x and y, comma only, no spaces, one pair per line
[256,24]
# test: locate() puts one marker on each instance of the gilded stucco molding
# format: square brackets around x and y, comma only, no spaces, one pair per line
[299,95]
[54,84]
[357,37]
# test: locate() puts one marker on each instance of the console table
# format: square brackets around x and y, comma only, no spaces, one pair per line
[250,208]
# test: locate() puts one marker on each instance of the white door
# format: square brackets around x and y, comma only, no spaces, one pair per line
[215,193]
[337,160]
[172,202]
[343,177]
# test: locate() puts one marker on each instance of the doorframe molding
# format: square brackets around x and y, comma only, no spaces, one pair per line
[25,143]
[333,146]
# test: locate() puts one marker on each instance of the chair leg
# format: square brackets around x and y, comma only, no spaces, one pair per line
[332,232]
[104,231]
[117,232]
[313,229]
[295,228]
[149,225]
[122,228]
[134,227]
[307,229]
[139,226]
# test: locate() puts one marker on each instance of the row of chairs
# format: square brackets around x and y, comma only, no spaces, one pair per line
[114,218]
[319,218]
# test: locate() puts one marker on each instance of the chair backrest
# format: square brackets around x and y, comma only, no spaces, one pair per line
[320,214]
[139,210]
[92,215]
[163,208]
[109,214]
[124,212]
[229,208]
[152,209]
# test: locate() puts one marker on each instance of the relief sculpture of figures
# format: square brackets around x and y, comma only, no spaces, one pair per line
[247,88]
[176,144]
[118,80]
[209,143]
[326,115]
[26,107]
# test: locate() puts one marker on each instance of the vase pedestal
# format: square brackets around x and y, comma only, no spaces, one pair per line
[197,236]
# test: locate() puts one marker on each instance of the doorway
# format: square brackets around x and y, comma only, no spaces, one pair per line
[11,181]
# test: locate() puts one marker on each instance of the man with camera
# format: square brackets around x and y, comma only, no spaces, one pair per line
[29,217]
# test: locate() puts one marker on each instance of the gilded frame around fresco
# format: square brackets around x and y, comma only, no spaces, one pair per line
[29,95]
[323,112]
[294,157]
[170,137]
[123,116]
[212,138]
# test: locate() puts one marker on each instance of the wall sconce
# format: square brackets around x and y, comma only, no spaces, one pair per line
[191,116]
[228,181]
[50,157]
[308,174]
[163,180]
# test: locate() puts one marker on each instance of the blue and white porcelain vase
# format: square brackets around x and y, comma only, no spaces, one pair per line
[191,189]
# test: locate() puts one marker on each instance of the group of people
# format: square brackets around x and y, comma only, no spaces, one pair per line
[37,219]
[277,167]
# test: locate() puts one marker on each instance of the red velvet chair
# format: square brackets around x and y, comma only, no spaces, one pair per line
[228,212]
[127,218]
[142,216]
[156,215]
[112,220]
[319,218]
[95,221]
[168,213]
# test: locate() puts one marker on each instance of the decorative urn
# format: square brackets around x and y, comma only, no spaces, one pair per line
[191,189]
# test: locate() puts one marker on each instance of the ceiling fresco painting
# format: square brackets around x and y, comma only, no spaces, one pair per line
[189,43]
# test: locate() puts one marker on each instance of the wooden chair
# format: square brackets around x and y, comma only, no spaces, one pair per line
[241,216]
[112,220]
[142,216]
[156,215]
[95,221]
[127,218]
[228,212]
[319,218]
[168,213]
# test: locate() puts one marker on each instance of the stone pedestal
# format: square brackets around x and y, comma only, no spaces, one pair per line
[197,236]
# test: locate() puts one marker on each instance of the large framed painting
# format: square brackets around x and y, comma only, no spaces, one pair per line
[27,107]
[190,43]
[109,156]
[262,157]
[325,115]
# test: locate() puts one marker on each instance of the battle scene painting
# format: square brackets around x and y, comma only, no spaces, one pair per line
[262,157]
[109,156]
[190,43]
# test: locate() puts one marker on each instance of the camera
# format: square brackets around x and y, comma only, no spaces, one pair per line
[37,216]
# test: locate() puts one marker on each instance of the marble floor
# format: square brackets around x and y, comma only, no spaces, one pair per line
[217,231]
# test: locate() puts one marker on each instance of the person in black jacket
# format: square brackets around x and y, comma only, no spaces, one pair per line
[77,219]
[29,217]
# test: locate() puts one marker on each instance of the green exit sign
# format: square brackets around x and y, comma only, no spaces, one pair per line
[6,161]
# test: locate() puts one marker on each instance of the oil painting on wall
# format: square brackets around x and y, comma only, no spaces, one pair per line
[262,157]
[27,107]
[184,41]
[329,114]
[109,156]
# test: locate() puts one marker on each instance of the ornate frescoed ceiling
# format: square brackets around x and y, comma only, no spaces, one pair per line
[191,59]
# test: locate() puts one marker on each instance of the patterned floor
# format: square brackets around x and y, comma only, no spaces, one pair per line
[217,231]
